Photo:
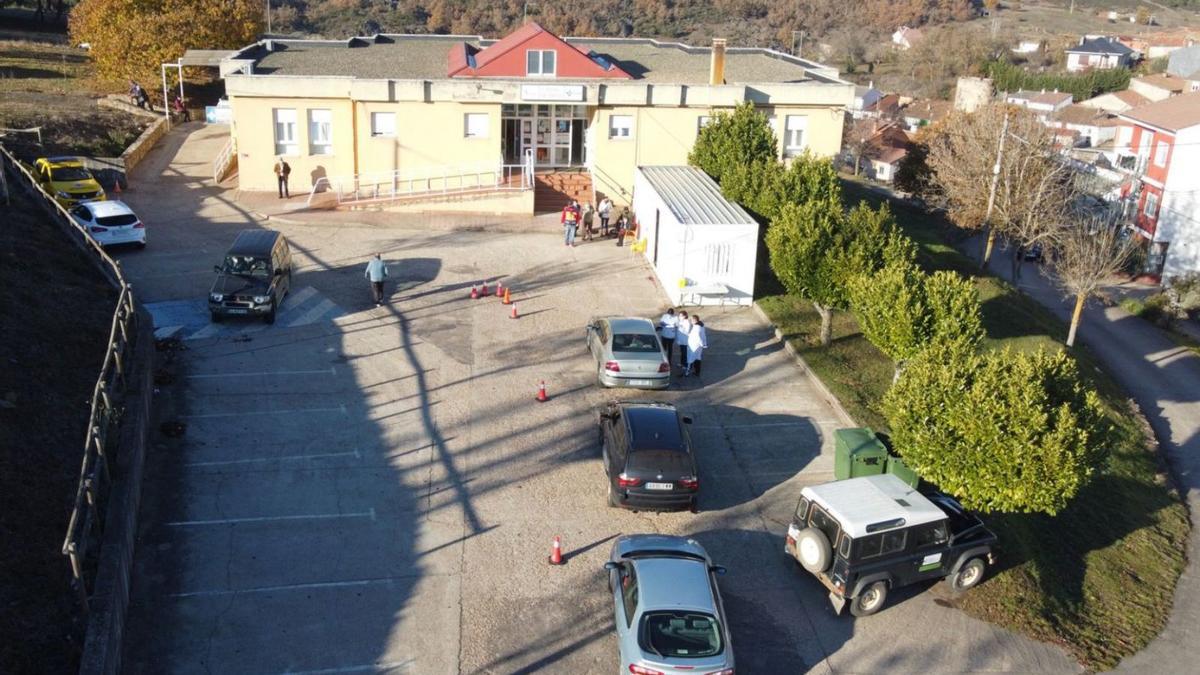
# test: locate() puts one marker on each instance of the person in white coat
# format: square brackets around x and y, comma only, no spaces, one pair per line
[667,323]
[681,330]
[697,342]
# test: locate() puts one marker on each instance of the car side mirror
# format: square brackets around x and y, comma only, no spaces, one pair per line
[687,420]
[718,570]
[611,566]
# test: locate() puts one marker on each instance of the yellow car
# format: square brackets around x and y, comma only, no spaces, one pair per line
[68,180]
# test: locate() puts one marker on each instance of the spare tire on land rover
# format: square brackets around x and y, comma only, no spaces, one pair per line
[813,551]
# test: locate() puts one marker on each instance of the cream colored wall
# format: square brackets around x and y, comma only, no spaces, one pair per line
[254,130]
[427,135]
[666,136]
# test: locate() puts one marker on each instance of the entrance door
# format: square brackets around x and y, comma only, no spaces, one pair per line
[554,133]
[511,134]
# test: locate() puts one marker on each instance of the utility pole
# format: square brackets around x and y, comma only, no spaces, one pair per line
[268,17]
[987,218]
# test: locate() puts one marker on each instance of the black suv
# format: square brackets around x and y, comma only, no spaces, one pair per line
[647,456]
[254,278]
[863,536]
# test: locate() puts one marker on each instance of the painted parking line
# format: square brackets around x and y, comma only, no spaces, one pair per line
[388,667]
[271,519]
[291,587]
[284,458]
[252,413]
[264,373]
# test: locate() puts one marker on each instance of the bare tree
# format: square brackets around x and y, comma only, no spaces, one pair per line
[1087,253]
[997,170]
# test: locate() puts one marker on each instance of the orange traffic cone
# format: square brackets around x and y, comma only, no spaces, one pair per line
[542,392]
[484,292]
[474,292]
[556,551]
[513,315]
[499,288]
[507,297]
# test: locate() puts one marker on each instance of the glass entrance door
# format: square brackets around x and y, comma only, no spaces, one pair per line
[553,132]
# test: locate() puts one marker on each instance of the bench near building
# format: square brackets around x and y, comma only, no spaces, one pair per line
[399,109]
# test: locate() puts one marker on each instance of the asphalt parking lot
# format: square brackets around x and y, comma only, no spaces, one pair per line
[376,489]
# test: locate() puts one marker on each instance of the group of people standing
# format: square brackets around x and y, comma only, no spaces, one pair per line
[574,217]
[689,334]
[139,97]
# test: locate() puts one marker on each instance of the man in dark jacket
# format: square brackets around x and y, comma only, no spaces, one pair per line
[282,171]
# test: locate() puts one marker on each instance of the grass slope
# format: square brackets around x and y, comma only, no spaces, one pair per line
[1099,577]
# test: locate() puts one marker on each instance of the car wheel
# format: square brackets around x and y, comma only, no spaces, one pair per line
[217,318]
[968,576]
[694,505]
[269,317]
[870,600]
[813,550]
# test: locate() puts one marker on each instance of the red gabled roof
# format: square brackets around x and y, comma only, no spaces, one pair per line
[504,58]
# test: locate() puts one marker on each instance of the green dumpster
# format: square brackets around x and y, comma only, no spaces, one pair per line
[897,467]
[856,453]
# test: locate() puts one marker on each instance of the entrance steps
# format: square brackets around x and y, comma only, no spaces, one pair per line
[554,190]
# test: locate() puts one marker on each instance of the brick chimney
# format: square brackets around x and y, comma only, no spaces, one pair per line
[716,68]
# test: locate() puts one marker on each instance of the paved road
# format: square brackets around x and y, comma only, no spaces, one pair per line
[1164,379]
[375,489]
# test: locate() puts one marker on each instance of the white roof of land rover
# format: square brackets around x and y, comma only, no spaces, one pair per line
[859,502]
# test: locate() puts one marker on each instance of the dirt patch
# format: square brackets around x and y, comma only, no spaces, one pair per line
[57,310]
[50,85]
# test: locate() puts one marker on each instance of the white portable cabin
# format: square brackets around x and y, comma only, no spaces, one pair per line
[703,247]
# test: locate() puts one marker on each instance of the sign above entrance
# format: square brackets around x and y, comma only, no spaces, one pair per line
[552,92]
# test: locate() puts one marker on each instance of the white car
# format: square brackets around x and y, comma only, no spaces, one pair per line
[111,222]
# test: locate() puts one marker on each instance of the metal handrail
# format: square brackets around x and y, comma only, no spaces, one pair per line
[223,161]
[426,181]
[95,474]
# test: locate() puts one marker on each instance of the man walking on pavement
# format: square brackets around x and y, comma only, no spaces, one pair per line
[282,171]
[376,272]
[667,323]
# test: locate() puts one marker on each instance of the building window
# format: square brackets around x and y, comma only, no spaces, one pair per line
[539,63]
[773,122]
[285,132]
[1151,206]
[383,124]
[320,132]
[620,126]
[703,121]
[1160,154]
[475,125]
[718,259]
[793,135]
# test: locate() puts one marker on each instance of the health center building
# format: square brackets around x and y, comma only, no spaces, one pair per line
[588,109]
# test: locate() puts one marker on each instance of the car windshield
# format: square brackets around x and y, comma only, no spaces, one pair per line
[670,463]
[117,221]
[247,266]
[66,173]
[681,635]
[634,342]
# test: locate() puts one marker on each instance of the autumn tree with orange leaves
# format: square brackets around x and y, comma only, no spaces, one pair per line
[130,39]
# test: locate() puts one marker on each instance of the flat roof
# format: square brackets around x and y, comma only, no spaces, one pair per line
[210,58]
[693,197]
[426,57]
[859,502]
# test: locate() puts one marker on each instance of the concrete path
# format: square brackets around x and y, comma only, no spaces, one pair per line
[375,490]
[1164,379]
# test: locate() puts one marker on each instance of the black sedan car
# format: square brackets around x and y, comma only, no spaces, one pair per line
[647,456]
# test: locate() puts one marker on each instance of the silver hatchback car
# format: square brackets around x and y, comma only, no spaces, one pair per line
[669,614]
[628,353]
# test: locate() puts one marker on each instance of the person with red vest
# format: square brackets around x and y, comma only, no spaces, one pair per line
[570,221]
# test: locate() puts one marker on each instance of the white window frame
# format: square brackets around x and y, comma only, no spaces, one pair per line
[1150,208]
[375,126]
[475,125]
[541,63]
[795,131]
[620,132]
[703,121]
[1161,149]
[320,131]
[285,132]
